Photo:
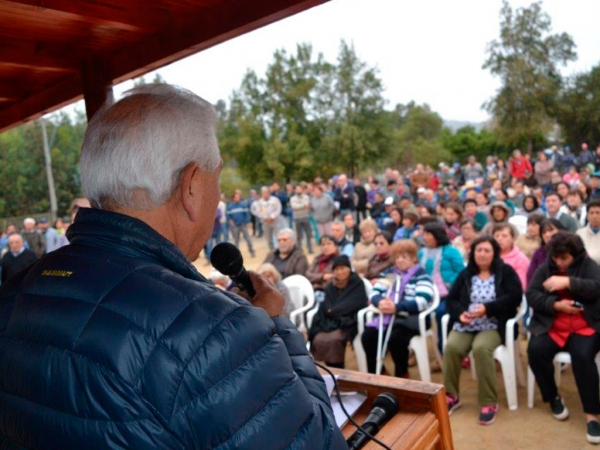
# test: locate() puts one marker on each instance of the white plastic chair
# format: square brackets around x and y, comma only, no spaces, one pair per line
[418,343]
[507,355]
[559,359]
[302,296]
[519,222]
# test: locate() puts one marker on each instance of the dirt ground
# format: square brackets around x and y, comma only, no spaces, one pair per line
[519,430]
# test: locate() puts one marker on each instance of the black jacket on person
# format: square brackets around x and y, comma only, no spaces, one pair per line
[339,309]
[509,294]
[361,193]
[377,210]
[12,264]
[584,275]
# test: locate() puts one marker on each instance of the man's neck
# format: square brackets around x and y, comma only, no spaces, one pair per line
[162,219]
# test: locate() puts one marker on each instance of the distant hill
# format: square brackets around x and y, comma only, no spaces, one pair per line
[456,124]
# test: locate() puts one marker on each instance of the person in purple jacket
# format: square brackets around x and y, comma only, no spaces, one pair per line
[548,228]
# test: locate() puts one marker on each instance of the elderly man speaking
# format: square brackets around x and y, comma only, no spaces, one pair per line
[117,342]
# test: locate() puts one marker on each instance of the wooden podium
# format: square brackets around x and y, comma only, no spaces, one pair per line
[422,421]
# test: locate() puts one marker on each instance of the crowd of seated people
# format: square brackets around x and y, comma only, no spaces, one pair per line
[478,235]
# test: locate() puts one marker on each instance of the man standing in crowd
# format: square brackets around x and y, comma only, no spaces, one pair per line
[238,217]
[116,341]
[34,239]
[473,169]
[361,196]
[288,258]
[16,258]
[268,210]
[50,235]
[553,204]
[283,197]
[585,156]
[322,209]
[300,205]
[344,195]
[256,225]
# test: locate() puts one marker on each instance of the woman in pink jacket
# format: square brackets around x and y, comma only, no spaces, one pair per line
[505,234]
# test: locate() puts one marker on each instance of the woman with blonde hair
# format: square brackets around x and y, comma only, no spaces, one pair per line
[365,248]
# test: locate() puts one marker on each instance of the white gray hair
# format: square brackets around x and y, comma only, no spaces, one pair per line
[291,233]
[29,220]
[339,222]
[134,151]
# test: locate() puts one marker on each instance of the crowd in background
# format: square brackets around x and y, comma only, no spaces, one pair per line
[480,234]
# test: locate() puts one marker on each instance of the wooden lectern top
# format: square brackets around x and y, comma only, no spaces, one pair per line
[422,421]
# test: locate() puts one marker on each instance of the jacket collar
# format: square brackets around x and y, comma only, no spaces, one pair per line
[129,237]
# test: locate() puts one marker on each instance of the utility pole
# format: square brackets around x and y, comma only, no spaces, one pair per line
[49,175]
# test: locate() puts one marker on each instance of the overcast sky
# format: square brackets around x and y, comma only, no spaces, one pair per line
[429,51]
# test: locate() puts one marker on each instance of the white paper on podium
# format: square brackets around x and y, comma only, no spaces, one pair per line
[352,401]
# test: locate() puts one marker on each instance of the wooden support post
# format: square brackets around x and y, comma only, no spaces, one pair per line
[97,86]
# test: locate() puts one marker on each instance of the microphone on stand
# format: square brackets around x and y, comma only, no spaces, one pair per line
[228,260]
[385,407]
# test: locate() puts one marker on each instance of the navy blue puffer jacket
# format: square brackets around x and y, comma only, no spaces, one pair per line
[116,342]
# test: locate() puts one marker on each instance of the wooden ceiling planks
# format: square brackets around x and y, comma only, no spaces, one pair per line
[46,45]
[130,16]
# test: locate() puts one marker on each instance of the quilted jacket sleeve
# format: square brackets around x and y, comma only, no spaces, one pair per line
[249,383]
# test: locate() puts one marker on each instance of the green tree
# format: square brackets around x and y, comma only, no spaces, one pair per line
[466,141]
[22,173]
[158,79]
[359,131]
[306,117]
[579,108]
[417,140]
[526,59]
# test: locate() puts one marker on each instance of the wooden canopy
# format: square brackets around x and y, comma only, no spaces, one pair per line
[54,52]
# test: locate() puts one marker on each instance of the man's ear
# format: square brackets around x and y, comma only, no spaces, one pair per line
[189,191]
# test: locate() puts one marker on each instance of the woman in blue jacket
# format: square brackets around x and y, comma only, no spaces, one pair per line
[443,263]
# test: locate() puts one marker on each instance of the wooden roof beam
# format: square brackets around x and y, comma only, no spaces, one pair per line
[40,56]
[118,14]
[42,102]
[13,91]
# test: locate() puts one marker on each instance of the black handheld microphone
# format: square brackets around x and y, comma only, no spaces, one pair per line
[385,407]
[228,260]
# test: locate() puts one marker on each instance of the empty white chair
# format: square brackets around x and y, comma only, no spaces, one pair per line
[303,297]
[507,355]
[418,343]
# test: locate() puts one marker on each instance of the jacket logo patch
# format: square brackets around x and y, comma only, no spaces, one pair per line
[56,273]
